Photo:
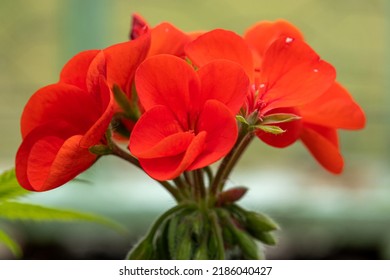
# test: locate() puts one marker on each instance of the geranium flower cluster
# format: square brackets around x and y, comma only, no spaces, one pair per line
[182,101]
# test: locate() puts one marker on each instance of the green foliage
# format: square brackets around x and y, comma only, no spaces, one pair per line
[9,186]
[12,210]
[10,244]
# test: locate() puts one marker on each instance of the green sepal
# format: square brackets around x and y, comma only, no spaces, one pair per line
[129,108]
[273,129]
[279,118]
[241,119]
[100,150]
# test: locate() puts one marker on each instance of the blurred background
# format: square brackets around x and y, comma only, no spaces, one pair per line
[322,216]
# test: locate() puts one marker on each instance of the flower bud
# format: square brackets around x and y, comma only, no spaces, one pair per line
[231,196]
[248,246]
[258,222]
[265,237]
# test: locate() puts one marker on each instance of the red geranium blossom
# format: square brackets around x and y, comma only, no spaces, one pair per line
[287,77]
[124,58]
[189,121]
[61,121]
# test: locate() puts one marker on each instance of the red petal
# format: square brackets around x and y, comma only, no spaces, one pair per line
[293,74]
[158,134]
[221,127]
[50,156]
[261,35]
[168,80]
[322,143]
[139,27]
[61,102]
[335,108]
[99,127]
[221,44]
[167,39]
[123,59]
[75,70]
[224,81]
[291,134]
[168,168]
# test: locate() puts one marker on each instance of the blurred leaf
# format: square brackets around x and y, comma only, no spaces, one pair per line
[9,186]
[10,244]
[30,212]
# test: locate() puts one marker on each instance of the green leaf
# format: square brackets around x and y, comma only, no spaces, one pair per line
[270,129]
[10,244]
[30,212]
[279,118]
[9,186]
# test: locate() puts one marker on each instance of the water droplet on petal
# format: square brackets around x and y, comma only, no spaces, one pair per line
[262,85]
[289,40]
[315,70]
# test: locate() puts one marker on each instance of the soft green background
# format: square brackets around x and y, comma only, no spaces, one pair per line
[326,211]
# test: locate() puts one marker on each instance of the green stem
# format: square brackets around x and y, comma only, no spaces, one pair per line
[199,184]
[116,150]
[229,162]
[182,186]
[209,174]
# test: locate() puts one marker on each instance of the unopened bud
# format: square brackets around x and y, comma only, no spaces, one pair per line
[265,237]
[248,246]
[258,222]
[231,195]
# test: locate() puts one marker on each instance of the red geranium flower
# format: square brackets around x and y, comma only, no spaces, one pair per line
[189,121]
[61,121]
[124,58]
[287,76]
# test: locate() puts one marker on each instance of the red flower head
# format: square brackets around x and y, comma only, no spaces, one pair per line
[189,121]
[61,121]
[124,58]
[287,77]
